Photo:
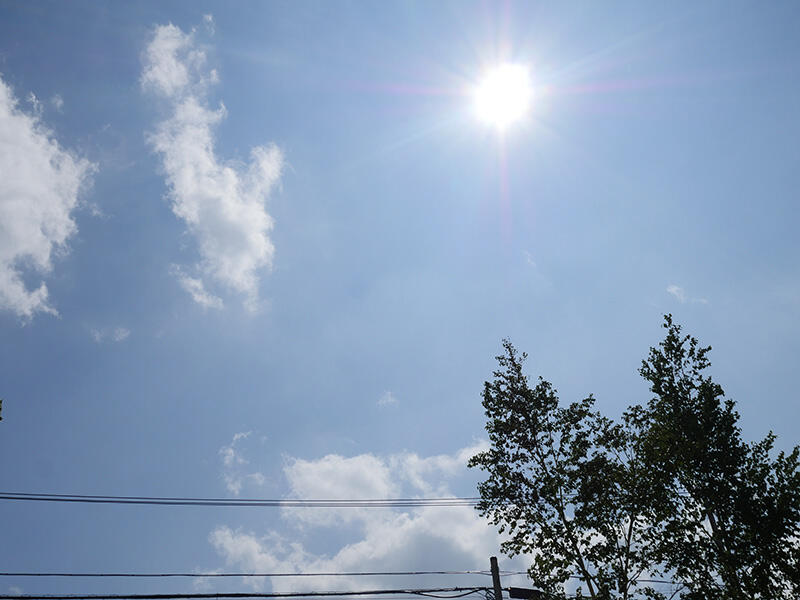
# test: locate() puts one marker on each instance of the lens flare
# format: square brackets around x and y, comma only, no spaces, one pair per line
[504,95]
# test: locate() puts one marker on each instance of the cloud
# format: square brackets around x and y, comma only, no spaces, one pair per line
[681,296]
[208,21]
[678,292]
[39,188]
[387,398]
[36,106]
[222,203]
[233,466]
[117,334]
[380,539]
[529,259]
[194,286]
[58,102]
[203,584]
[120,334]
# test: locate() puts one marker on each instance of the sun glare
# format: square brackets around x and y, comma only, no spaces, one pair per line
[504,95]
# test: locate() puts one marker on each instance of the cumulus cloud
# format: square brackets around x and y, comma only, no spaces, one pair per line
[381,539]
[39,189]
[234,466]
[222,203]
[681,296]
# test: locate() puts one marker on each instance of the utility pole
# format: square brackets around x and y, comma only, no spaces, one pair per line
[498,591]
[514,592]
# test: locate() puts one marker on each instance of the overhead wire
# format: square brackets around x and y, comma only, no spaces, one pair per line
[449,501]
[462,595]
[187,574]
[456,592]
[250,502]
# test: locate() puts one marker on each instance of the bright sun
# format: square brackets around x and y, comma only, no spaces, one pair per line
[504,95]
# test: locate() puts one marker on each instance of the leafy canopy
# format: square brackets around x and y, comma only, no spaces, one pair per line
[671,492]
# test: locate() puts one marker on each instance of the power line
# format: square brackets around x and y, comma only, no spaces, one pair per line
[456,592]
[428,595]
[345,574]
[453,501]
[287,503]
[322,574]
[669,581]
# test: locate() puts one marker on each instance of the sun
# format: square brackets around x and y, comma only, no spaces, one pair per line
[504,95]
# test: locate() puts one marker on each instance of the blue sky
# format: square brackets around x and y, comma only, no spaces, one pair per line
[279,253]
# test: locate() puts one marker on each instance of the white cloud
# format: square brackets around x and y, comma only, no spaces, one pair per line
[387,398]
[381,539]
[203,584]
[368,476]
[242,435]
[39,189]
[337,477]
[681,296]
[529,259]
[117,334]
[208,21]
[58,102]
[678,292]
[36,106]
[222,203]
[234,466]
[194,286]
[120,334]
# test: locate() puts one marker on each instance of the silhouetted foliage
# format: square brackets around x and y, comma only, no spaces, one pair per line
[671,491]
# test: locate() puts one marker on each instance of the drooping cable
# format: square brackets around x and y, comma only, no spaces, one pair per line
[251,502]
[330,574]
[456,592]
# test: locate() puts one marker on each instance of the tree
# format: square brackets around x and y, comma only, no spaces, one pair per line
[733,527]
[565,486]
[671,491]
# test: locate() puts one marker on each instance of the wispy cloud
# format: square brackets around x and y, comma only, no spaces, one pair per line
[36,106]
[234,466]
[204,584]
[58,102]
[39,189]
[681,296]
[387,398]
[194,286]
[222,203]
[208,21]
[115,334]
[529,259]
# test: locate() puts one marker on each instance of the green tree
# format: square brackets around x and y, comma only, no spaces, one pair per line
[671,491]
[565,485]
[732,527]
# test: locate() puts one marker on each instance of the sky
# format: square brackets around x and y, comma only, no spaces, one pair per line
[270,250]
